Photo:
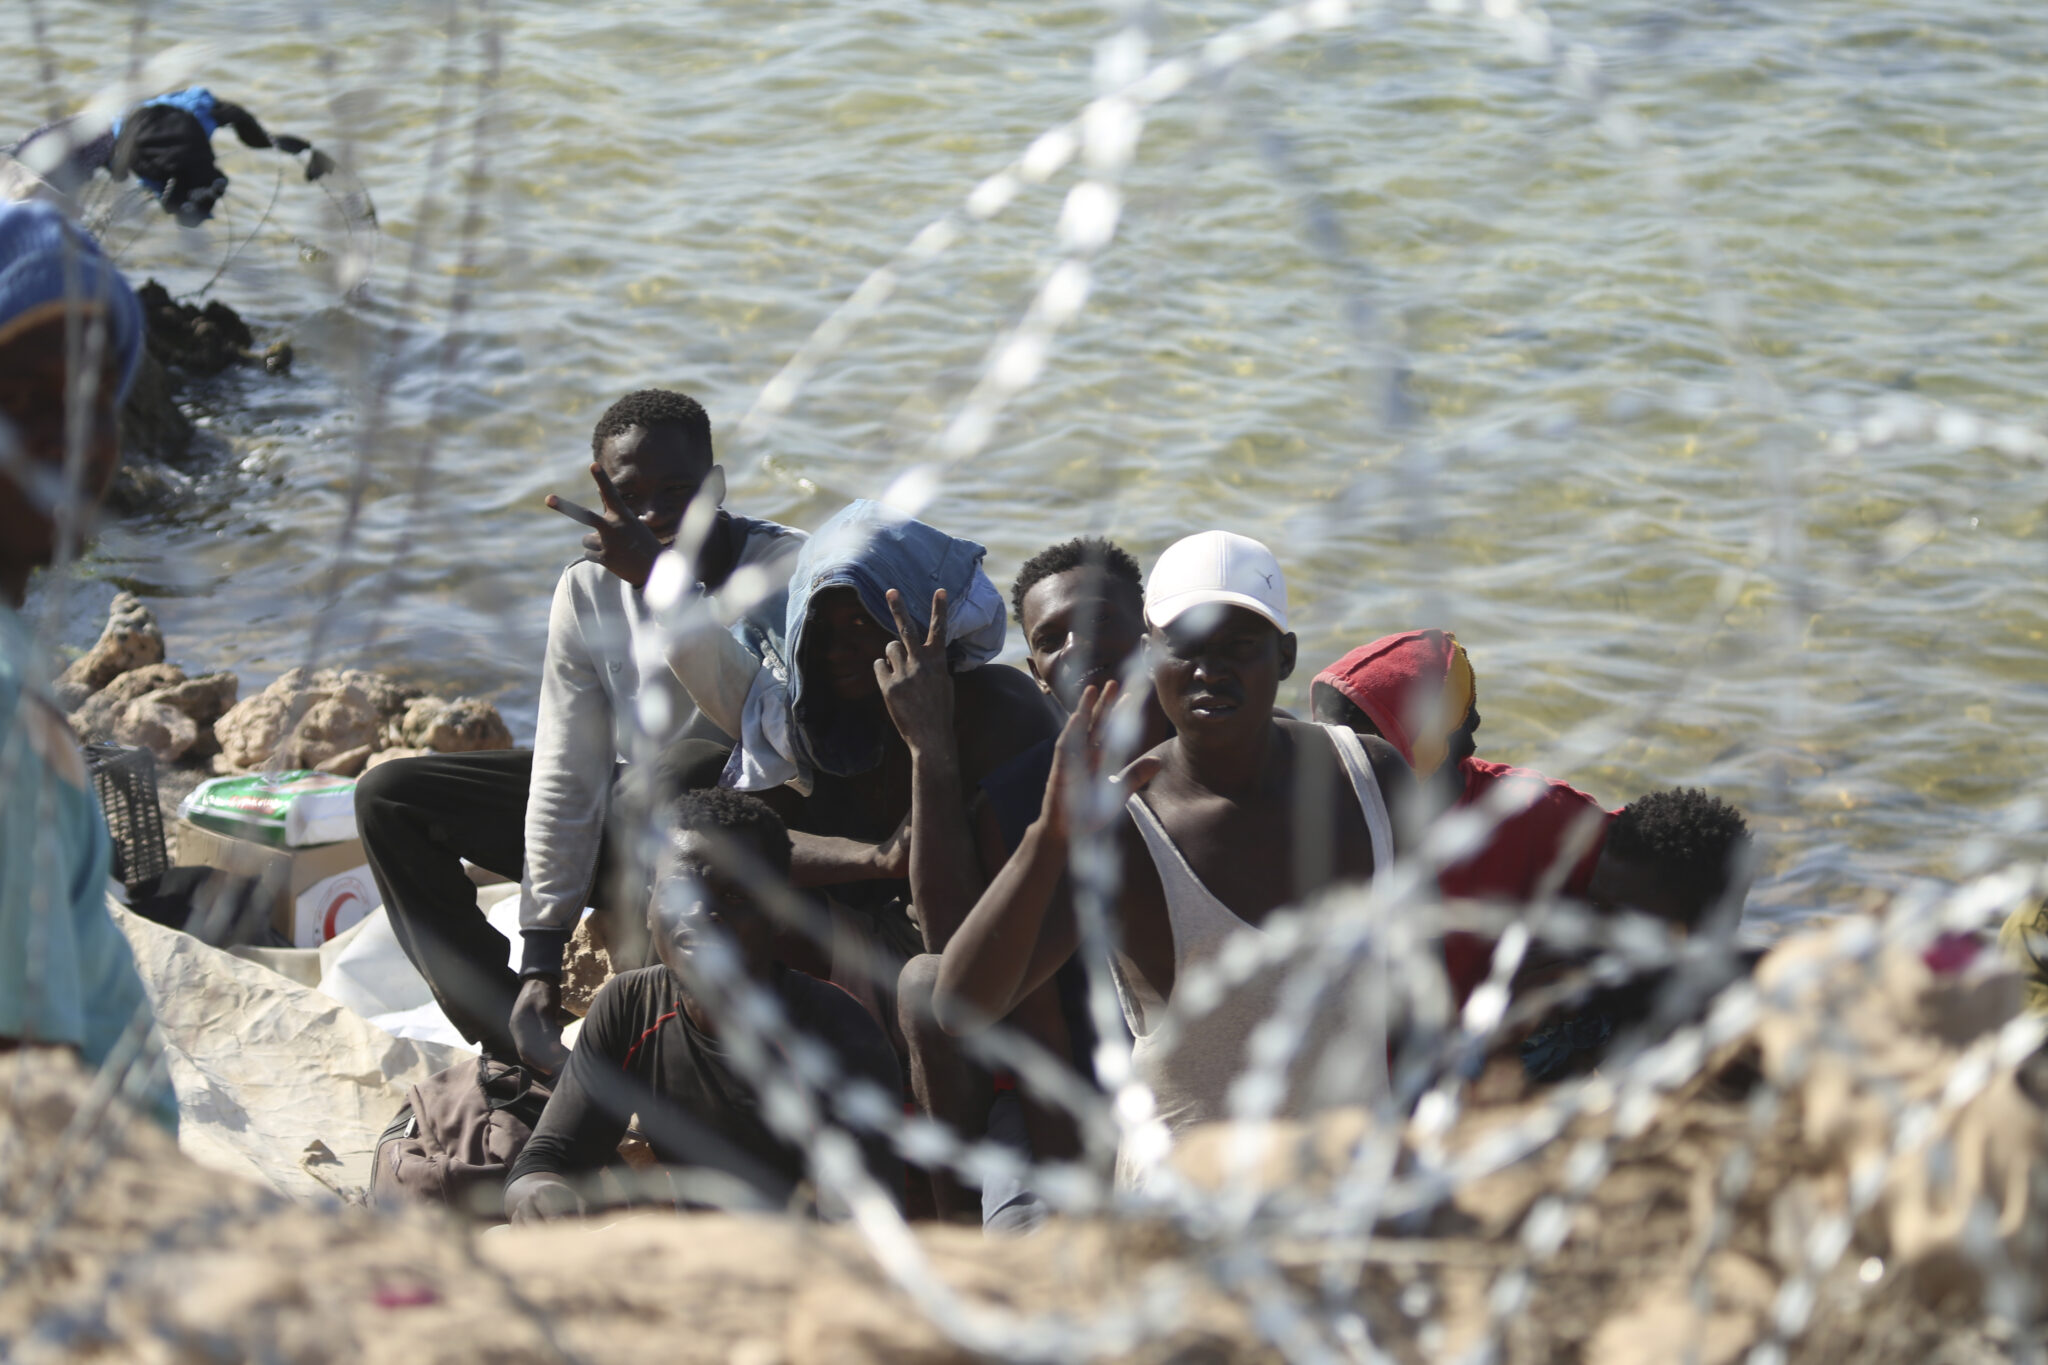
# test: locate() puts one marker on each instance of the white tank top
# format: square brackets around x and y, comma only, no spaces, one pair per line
[1191,1077]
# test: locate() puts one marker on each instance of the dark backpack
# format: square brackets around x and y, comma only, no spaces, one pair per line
[457,1136]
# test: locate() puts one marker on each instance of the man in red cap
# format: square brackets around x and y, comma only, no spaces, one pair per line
[1674,854]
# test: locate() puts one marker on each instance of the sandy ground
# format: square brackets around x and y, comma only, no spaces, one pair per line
[1853,1176]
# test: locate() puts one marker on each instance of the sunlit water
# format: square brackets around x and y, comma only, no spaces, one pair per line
[1662,572]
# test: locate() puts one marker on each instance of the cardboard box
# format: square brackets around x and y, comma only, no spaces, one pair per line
[314,893]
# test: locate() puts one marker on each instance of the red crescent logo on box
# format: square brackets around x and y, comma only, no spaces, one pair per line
[343,894]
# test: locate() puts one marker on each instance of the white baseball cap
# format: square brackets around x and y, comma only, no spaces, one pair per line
[1215,567]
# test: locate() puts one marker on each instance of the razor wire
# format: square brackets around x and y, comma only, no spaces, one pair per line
[1105,138]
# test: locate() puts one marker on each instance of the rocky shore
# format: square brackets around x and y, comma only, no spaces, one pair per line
[197,725]
[185,341]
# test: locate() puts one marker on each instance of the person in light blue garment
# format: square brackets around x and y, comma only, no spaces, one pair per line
[70,339]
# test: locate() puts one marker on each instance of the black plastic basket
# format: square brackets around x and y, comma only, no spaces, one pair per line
[124,779]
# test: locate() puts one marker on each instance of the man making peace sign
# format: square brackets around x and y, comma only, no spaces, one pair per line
[606,693]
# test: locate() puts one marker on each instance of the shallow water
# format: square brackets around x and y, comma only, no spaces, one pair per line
[1608,470]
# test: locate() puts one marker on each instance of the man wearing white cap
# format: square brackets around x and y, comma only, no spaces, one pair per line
[1237,815]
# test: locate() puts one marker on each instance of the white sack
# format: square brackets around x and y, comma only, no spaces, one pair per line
[264,1067]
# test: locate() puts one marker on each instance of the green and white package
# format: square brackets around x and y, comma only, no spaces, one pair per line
[286,810]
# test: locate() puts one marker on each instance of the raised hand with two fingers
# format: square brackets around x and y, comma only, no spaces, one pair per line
[618,539]
[917,683]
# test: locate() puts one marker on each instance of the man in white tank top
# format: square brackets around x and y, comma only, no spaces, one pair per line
[1239,814]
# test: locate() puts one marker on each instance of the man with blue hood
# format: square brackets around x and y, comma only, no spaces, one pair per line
[872,719]
[70,339]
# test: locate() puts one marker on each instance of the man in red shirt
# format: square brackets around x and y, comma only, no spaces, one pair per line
[1675,854]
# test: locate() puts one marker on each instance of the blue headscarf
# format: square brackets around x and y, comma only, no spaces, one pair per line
[871,549]
[45,258]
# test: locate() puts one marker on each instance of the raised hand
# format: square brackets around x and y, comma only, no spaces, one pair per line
[917,686]
[1078,763]
[618,540]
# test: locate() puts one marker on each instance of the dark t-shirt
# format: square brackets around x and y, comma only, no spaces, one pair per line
[640,1054]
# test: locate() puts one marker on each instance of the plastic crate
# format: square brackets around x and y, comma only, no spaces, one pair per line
[124,779]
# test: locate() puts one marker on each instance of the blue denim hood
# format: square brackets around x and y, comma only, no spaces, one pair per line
[871,549]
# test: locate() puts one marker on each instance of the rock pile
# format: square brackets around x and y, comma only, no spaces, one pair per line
[333,720]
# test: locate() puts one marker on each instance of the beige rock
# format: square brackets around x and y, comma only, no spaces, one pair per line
[130,640]
[349,763]
[163,730]
[586,966]
[409,728]
[386,755]
[389,698]
[95,718]
[301,721]
[468,725]
[464,725]
[335,723]
[206,698]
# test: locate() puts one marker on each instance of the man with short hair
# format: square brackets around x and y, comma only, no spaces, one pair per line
[607,697]
[1680,855]
[1080,605]
[654,1043]
[1237,815]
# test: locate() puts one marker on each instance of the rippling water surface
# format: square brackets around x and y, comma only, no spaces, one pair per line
[1617,362]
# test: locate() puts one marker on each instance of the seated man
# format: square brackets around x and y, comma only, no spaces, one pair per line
[1683,857]
[653,1043]
[871,720]
[1081,607]
[70,329]
[545,812]
[1237,815]
[166,143]
[1417,691]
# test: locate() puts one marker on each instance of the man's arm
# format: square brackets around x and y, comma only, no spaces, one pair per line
[826,860]
[578,1131]
[573,752]
[917,687]
[1023,926]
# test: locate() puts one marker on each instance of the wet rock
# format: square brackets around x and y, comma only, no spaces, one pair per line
[277,358]
[198,340]
[464,725]
[152,424]
[95,716]
[150,724]
[130,640]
